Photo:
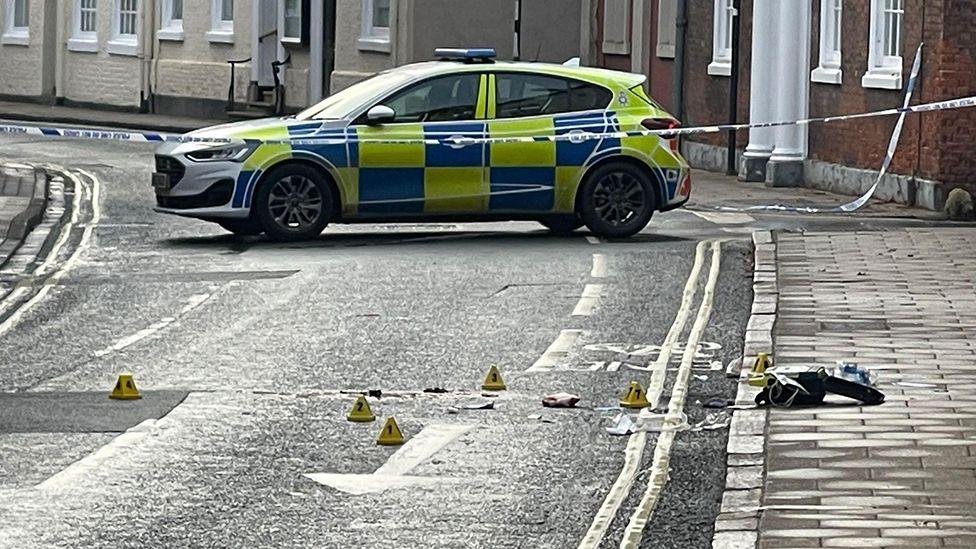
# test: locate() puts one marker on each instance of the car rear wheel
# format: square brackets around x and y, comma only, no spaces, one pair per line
[293,203]
[617,200]
[242,227]
[562,225]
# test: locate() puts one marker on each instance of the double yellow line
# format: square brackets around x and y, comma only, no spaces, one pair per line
[675,416]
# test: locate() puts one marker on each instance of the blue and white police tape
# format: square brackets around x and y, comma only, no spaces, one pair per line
[862,200]
[577,136]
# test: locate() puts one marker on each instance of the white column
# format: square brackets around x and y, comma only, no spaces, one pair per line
[792,77]
[316,44]
[255,40]
[762,84]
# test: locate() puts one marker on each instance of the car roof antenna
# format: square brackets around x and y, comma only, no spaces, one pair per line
[537,52]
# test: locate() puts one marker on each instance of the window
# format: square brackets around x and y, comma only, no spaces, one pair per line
[884,55]
[125,28]
[444,99]
[829,71]
[221,22]
[724,13]
[84,31]
[172,27]
[616,27]
[376,26]
[667,21]
[520,95]
[16,26]
[290,21]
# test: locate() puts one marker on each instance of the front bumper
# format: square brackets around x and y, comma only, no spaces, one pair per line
[197,189]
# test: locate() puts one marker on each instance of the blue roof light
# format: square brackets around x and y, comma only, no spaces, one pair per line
[468,55]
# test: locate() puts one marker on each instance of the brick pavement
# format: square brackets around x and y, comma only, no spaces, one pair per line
[903,304]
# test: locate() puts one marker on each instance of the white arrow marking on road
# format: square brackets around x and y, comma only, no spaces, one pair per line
[393,473]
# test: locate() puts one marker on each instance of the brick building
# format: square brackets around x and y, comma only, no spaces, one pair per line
[809,58]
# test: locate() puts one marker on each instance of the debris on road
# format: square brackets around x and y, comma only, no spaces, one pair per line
[852,372]
[493,381]
[361,412]
[374,393]
[560,400]
[734,368]
[435,390]
[622,425]
[483,405]
[718,403]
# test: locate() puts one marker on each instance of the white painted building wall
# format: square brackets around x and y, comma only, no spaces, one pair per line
[22,55]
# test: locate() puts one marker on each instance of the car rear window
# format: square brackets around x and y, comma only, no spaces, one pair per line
[520,95]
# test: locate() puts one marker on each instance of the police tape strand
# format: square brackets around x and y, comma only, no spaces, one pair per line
[862,200]
[575,135]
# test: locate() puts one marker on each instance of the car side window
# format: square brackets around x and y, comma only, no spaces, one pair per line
[519,95]
[443,99]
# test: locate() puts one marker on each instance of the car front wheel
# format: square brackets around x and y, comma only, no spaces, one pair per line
[293,203]
[617,200]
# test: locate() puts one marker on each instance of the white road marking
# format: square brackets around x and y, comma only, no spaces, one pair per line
[724,218]
[394,473]
[659,368]
[593,240]
[85,242]
[589,300]
[192,303]
[556,352]
[93,461]
[675,417]
[599,269]
[634,452]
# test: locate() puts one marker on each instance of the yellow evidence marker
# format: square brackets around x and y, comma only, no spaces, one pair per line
[757,375]
[390,435]
[125,388]
[361,413]
[634,397]
[493,381]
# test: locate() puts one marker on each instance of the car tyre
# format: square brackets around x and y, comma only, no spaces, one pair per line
[293,203]
[617,200]
[563,225]
[242,227]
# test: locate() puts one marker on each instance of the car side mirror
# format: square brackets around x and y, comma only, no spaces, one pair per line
[380,114]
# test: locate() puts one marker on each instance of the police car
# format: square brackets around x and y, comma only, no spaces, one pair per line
[463,138]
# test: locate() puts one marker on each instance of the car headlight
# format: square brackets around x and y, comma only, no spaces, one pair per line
[236,152]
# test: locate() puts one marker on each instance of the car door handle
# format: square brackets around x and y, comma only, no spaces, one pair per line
[460,142]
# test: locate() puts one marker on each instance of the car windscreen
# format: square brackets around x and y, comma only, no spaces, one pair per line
[342,104]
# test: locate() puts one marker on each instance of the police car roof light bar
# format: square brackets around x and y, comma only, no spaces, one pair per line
[470,55]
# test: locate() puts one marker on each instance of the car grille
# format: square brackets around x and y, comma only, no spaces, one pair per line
[218,194]
[171,167]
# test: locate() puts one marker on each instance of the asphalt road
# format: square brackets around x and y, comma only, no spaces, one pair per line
[250,351]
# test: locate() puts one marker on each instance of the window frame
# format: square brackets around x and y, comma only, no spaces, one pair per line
[616,11]
[13,34]
[722,24]
[171,28]
[302,22]
[495,108]
[360,118]
[884,70]
[371,37]
[829,69]
[221,30]
[124,44]
[82,40]
[666,28]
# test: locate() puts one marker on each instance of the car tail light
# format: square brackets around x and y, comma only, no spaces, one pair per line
[657,124]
